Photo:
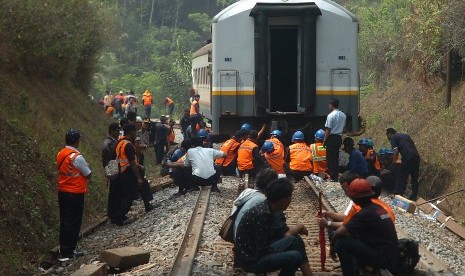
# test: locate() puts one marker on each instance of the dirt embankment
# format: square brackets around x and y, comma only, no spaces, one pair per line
[417,109]
[34,115]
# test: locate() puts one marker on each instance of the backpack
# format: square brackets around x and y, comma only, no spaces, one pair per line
[165,170]
[408,256]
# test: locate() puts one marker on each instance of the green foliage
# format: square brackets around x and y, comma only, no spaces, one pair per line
[202,20]
[51,36]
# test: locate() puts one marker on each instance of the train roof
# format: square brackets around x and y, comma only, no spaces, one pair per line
[247,5]
[202,51]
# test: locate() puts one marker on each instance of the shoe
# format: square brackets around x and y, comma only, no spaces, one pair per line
[78,253]
[193,188]
[179,193]
[124,222]
[215,189]
[413,198]
[149,207]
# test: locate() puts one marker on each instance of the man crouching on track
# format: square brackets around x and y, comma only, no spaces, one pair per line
[254,248]
[204,172]
[369,238]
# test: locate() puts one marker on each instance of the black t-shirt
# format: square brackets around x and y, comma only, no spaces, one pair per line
[162,133]
[130,151]
[373,226]
[405,145]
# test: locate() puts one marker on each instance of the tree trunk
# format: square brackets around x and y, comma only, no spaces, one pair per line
[151,13]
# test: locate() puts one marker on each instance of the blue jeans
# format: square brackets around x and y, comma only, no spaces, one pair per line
[148,111]
[289,254]
[170,110]
[353,252]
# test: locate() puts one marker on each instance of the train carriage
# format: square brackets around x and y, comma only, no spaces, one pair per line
[279,62]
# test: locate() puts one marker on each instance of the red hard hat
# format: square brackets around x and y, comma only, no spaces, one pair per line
[359,187]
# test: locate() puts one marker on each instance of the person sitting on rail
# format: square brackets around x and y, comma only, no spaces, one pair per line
[388,169]
[318,150]
[357,163]
[249,159]
[273,157]
[204,172]
[298,158]
[182,176]
[254,248]
[365,146]
[275,135]
[230,147]
[369,238]
[334,220]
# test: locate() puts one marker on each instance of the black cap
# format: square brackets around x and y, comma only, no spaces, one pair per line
[72,136]
[128,128]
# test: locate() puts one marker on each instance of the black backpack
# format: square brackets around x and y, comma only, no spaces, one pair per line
[408,256]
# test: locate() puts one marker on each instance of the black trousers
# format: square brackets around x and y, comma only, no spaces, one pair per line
[229,170]
[113,200]
[297,175]
[182,177]
[160,151]
[211,181]
[194,119]
[408,167]
[71,210]
[333,144]
[145,192]
[126,192]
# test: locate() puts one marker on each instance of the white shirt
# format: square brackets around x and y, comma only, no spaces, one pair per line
[201,160]
[336,121]
[80,163]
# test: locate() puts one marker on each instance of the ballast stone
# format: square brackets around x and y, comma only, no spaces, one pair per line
[99,269]
[125,257]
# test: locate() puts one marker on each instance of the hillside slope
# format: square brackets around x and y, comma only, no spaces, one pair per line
[417,109]
[34,116]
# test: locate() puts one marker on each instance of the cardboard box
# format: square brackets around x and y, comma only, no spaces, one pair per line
[404,204]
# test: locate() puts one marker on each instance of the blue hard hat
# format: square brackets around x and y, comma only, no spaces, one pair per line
[202,133]
[268,146]
[383,151]
[72,136]
[363,142]
[320,134]
[298,135]
[247,127]
[370,143]
[276,132]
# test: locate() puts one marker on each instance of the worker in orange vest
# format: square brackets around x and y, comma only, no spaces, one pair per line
[298,158]
[365,146]
[194,114]
[230,147]
[129,179]
[275,135]
[318,151]
[147,101]
[249,159]
[73,174]
[273,157]
[169,103]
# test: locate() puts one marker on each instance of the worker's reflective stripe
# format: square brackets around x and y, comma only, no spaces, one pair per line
[315,157]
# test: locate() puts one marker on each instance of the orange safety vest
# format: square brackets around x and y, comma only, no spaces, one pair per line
[278,146]
[276,161]
[356,208]
[171,136]
[300,157]
[125,101]
[376,161]
[169,102]
[147,99]
[230,148]
[110,110]
[121,154]
[70,179]
[318,158]
[194,107]
[245,156]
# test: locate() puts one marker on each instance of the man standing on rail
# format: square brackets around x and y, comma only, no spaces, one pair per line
[335,124]
[319,154]
[403,144]
[73,174]
[194,114]
[169,103]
